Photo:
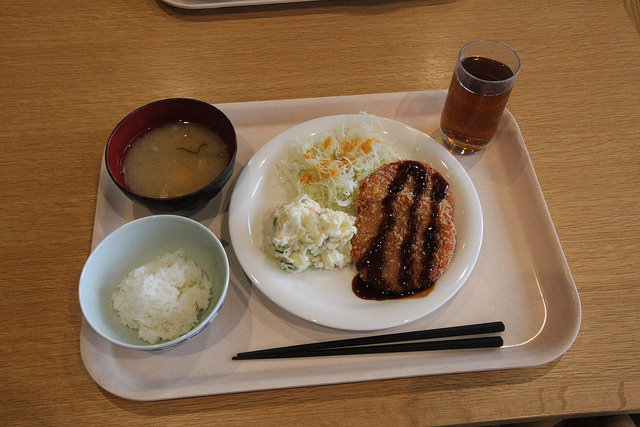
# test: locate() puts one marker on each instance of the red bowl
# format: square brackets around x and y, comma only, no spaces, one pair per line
[157,114]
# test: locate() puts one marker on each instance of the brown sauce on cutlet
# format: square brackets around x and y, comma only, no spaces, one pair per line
[431,241]
[367,291]
[373,260]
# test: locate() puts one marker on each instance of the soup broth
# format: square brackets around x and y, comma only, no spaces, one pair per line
[174,160]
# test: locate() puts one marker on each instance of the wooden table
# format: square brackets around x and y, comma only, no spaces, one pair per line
[71,70]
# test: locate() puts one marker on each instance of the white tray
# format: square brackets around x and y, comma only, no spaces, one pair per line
[521,277]
[211,4]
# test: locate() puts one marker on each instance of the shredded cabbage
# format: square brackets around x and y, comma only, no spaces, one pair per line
[329,167]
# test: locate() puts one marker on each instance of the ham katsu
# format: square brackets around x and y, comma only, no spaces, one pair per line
[405,235]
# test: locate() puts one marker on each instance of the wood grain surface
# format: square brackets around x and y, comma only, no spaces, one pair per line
[69,71]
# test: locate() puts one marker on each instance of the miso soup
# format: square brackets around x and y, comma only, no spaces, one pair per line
[174,160]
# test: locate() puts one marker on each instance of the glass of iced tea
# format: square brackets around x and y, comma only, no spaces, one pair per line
[479,90]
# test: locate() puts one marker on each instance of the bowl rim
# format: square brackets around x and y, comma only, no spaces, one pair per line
[177,199]
[200,326]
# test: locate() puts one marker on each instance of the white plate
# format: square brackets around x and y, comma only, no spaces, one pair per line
[326,298]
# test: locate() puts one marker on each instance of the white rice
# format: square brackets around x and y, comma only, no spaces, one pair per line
[162,299]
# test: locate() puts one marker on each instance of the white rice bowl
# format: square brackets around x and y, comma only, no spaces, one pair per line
[141,242]
[162,299]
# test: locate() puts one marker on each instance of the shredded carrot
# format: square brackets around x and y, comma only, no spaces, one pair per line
[367,146]
[306,178]
[308,154]
[327,168]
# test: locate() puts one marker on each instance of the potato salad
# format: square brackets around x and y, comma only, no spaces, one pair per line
[305,235]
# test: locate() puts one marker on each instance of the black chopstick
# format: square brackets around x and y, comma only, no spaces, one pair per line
[363,345]
[466,343]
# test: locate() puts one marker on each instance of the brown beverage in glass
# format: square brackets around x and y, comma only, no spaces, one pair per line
[478,93]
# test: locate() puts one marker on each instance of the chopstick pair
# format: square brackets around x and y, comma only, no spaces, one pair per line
[389,343]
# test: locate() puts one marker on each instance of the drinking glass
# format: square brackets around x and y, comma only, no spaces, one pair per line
[482,81]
